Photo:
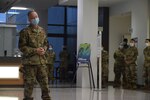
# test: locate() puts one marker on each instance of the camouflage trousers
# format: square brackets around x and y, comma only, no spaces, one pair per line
[131,76]
[33,73]
[146,74]
[50,71]
[63,73]
[63,70]
[105,75]
[119,70]
[104,81]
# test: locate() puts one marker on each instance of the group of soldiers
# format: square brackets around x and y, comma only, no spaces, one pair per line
[125,65]
[51,57]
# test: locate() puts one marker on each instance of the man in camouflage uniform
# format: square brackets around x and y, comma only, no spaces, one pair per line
[130,68]
[104,68]
[33,44]
[119,67]
[125,47]
[125,43]
[51,56]
[146,73]
[63,63]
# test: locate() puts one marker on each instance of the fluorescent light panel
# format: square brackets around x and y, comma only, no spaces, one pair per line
[19,8]
[13,13]
[9,98]
[9,72]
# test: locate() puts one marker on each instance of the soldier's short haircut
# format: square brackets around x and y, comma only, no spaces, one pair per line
[30,12]
[133,40]
[125,40]
[147,40]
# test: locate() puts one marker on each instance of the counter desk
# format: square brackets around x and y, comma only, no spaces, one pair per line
[9,71]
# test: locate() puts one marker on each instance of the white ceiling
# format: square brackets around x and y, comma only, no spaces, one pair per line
[110,2]
[44,4]
[103,3]
[37,4]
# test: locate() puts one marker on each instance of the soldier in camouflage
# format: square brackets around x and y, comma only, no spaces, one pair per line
[119,67]
[63,63]
[130,68]
[146,73]
[125,47]
[125,43]
[33,44]
[51,56]
[104,68]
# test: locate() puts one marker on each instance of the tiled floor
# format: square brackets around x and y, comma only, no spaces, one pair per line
[77,94]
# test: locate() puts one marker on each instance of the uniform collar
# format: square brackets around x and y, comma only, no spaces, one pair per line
[35,30]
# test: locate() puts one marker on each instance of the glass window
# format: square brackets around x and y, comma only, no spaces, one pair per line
[63,30]
[17,40]
[57,45]
[20,27]
[2,18]
[72,30]
[22,18]
[56,15]
[56,72]
[18,18]
[71,16]
[71,44]
[56,29]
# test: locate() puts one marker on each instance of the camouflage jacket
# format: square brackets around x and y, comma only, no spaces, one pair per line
[64,56]
[51,56]
[147,54]
[29,40]
[131,55]
[119,56]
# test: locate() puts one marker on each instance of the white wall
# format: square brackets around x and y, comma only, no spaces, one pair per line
[120,8]
[139,22]
[87,33]
[139,25]
[118,27]
[148,19]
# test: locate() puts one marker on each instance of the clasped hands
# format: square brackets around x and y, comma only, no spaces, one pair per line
[40,51]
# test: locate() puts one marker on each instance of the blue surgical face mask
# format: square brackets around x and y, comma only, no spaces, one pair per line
[147,44]
[50,49]
[35,21]
[121,47]
[132,44]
